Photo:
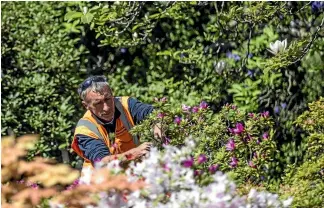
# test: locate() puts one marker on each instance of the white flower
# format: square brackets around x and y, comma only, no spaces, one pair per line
[86,174]
[85,10]
[219,67]
[287,202]
[278,46]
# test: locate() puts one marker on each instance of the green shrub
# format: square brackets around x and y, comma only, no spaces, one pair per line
[305,182]
[41,68]
[231,140]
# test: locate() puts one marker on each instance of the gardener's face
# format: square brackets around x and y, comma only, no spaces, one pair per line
[101,103]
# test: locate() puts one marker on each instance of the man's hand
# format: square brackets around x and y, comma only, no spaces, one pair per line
[138,151]
[132,154]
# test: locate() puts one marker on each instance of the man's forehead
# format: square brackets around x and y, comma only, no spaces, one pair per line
[105,92]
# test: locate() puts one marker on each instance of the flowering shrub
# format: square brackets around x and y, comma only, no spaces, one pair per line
[170,181]
[230,140]
[305,182]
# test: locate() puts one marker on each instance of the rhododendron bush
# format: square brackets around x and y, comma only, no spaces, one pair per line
[170,182]
[232,140]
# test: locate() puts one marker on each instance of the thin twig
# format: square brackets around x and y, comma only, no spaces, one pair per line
[308,46]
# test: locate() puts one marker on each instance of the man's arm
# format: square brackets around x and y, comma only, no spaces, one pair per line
[139,111]
[96,150]
[92,149]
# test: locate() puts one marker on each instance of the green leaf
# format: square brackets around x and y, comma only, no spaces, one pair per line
[87,18]
[72,15]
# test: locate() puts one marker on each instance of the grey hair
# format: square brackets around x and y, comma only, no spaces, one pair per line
[95,87]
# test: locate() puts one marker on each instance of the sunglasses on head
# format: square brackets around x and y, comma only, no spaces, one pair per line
[89,82]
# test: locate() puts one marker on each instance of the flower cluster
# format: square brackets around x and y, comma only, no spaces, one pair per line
[170,183]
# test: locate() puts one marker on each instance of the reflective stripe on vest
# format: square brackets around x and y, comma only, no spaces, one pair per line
[125,121]
[90,126]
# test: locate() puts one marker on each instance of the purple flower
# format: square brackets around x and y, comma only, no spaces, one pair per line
[265,114]
[123,50]
[213,168]
[251,164]
[230,145]
[188,163]
[250,73]
[198,172]
[317,6]
[283,105]
[276,109]
[34,186]
[257,141]
[234,162]
[195,109]
[76,182]
[185,107]
[251,115]
[161,115]
[202,158]
[265,136]
[167,141]
[255,155]
[97,160]
[234,107]
[233,56]
[250,55]
[177,120]
[203,105]
[239,128]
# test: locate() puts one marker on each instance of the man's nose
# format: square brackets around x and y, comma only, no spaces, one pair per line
[106,107]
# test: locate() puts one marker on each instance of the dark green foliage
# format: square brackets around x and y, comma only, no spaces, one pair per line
[214,51]
[188,51]
[41,68]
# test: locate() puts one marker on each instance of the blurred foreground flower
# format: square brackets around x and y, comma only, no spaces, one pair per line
[278,46]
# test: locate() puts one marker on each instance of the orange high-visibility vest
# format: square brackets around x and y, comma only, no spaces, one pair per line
[124,141]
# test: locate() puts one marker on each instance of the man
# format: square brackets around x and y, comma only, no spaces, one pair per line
[107,116]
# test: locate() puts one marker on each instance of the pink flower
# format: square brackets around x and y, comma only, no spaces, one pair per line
[166,168]
[161,115]
[230,145]
[198,172]
[251,164]
[265,114]
[234,107]
[164,99]
[239,128]
[202,158]
[265,136]
[213,168]
[177,120]
[35,186]
[195,109]
[167,141]
[185,108]
[234,162]
[203,105]
[251,115]
[188,163]
[97,160]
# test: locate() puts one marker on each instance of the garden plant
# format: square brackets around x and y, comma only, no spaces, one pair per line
[237,88]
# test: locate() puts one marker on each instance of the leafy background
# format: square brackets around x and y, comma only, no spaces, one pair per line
[186,51]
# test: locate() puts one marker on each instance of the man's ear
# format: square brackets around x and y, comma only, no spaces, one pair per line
[85,104]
